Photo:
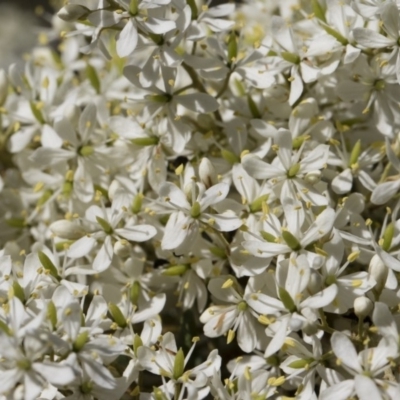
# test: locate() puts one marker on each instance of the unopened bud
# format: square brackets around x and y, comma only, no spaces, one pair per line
[122,248]
[73,12]
[65,229]
[207,173]
[313,177]
[378,271]
[362,306]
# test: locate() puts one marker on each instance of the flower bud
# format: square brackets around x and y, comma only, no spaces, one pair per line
[362,306]
[66,229]
[313,177]
[379,271]
[73,12]
[207,173]
[3,86]
[122,248]
[113,188]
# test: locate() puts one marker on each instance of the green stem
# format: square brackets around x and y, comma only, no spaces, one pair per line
[181,90]
[199,85]
[224,86]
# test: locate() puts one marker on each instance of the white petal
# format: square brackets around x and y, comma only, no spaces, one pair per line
[126,128]
[265,249]
[343,182]
[214,195]
[152,308]
[225,222]
[56,374]
[247,335]
[45,156]
[384,321]
[259,169]
[371,39]
[340,391]
[345,351]
[50,138]
[82,247]
[198,102]
[104,257]
[366,388]
[279,336]
[175,196]
[127,40]
[159,26]
[71,319]
[321,299]
[138,233]
[175,231]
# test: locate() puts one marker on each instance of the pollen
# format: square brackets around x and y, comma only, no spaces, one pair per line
[227,284]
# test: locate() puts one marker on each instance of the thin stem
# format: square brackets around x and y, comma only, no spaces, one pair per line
[179,91]
[199,85]
[224,86]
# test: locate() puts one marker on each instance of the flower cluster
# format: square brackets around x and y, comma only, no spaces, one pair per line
[203,200]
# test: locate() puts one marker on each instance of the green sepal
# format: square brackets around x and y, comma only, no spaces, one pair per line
[290,57]
[48,265]
[195,210]
[137,203]
[134,293]
[133,7]
[37,113]
[18,291]
[5,328]
[232,158]
[179,364]
[256,205]
[105,225]
[94,80]
[44,197]
[117,315]
[318,10]
[287,300]
[232,46]
[255,113]
[86,151]
[269,237]
[341,39]
[52,314]
[293,170]
[388,237]
[300,363]
[355,153]
[80,341]
[176,270]
[291,241]
[147,141]
[137,342]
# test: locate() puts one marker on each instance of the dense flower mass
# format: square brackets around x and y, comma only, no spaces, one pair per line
[202,201]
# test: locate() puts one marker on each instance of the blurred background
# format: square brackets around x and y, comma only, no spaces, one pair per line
[20,23]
